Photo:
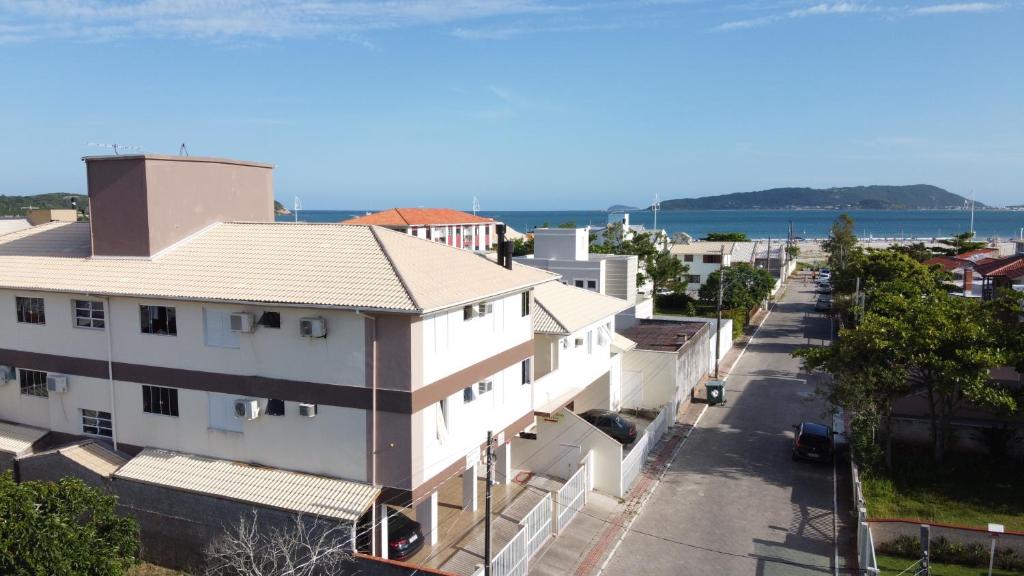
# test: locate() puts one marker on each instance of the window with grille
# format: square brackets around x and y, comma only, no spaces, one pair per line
[89,314]
[160,400]
[158,320]
[33,383]
[693,278]
[527,367]
[485,386]
[30,310]
[97,423]
[525,304]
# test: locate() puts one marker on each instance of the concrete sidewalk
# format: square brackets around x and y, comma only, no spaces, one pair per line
[587,543]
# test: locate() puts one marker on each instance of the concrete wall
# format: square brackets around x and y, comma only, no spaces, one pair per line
[140,205]
[176,527]
[561,243]
[649,379]
[52,466]
[561,442]
[578,366]
[572,271]
[620,276]
[887,531]
[691,364]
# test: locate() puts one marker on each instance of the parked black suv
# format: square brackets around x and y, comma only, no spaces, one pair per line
[812,442]
[612,424]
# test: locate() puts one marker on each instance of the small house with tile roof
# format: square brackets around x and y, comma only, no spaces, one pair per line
[443,225]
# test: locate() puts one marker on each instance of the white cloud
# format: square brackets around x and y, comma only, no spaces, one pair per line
[239,19]
[957,8]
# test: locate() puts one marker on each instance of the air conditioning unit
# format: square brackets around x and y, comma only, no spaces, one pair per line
[307,410]
[246,409]
[242,322]
[57,383]
[6,374]
[313,327]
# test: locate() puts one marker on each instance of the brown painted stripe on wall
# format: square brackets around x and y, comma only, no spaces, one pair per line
[436,391]
[54,363]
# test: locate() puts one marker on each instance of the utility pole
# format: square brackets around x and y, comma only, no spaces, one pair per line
[487,504]
[721,291]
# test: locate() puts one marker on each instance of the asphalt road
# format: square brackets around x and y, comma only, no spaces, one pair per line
[733,502]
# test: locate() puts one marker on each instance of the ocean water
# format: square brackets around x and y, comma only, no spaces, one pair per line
[760,223]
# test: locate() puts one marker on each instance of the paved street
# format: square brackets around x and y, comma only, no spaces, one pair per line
[733,502]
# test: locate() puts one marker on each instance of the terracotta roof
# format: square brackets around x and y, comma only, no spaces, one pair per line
[362,267]
[947,263]
[18,439]
[563,309]
[418,217]
[662,335]
[973,254]
[271,487]
[1012,267]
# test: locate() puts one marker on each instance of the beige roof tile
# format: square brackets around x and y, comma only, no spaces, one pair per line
[271,487]
[18,439]
[565,309]
[301,264]
[94,456]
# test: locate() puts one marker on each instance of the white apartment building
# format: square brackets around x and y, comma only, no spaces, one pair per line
[443,225]
[181,318]
[566,252]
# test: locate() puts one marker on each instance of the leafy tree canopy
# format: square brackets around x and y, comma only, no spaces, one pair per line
[745,287]
[960,243]
[841,244]
[726,237]
[63,528]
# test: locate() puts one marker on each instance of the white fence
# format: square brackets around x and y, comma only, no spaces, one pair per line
[538,523]
[571,497]
[633,463]
[865,542]
[513,559]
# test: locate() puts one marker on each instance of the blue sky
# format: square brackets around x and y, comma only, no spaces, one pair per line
[527,104]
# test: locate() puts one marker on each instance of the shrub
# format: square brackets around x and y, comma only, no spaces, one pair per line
[949,552]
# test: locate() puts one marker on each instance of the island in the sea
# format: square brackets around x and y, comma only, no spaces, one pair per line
[912,197]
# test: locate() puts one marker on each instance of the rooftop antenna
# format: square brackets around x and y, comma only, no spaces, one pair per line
[117,148]
[476,205]
[297,205]
[183,150]
[655,207]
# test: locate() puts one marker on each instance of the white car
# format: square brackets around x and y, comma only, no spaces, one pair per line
[824,274]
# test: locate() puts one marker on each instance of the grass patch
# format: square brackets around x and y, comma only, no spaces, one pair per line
[892,565]
[969,490]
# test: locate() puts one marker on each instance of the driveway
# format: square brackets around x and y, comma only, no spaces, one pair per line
[733,502]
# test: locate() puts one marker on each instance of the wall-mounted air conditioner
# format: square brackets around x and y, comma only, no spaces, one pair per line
[6,374]
[246,409]
[242,322]
[56,383]
[313,328]
[307,410]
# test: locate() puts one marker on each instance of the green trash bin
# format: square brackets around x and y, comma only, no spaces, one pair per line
[715,392]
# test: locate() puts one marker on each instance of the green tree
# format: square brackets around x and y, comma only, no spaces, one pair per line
[522,246]
[841,244]
[917,251]
[666,271]
[568,224]
[63,528]
[960,243]
[893,270]
[726,237]
[793,251]
[745,287]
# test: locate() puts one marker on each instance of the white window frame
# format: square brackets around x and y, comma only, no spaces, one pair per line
[99,420]
[93,322]
[441,420]
[484,386]
[35,389]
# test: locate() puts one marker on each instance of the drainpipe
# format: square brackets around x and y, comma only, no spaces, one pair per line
[110,367]
[373,409]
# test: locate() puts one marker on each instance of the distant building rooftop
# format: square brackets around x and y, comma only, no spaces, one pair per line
[418,217]
[662,335]
[565,309]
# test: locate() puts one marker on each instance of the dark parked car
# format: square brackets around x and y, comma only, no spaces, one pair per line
[823,287]
[404,536]
[812,442]
[824,303]
[612,424]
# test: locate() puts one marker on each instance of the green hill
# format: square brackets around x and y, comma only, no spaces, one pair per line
[18,205]
[917,196]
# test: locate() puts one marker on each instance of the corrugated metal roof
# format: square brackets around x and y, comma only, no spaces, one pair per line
[94,456]
[18,439]
[271,487]
[8,225]
[300,264]
[565,309]
[702,247]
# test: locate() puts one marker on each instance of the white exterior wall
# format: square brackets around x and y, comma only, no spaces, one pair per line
[561,443]
[657,382]
[451,343]
[712,328]
[468,423]
[561,244]
[577,368]
[698,267]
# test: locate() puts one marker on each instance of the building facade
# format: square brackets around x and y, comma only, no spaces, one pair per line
[443,225]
